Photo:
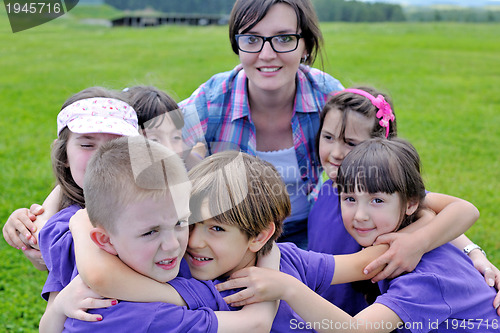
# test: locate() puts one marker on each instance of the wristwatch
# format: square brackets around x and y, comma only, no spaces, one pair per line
[469,248]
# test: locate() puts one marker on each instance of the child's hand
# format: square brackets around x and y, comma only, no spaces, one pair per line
[403,255]
[76,298]
[19,229]
[261,285]
[490,272]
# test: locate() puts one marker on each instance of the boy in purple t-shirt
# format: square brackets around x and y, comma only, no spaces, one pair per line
[238,204]
[137,197]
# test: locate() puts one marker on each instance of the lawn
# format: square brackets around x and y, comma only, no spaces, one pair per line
[443,78]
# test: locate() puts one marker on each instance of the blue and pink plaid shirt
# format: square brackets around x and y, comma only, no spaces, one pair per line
[218,114]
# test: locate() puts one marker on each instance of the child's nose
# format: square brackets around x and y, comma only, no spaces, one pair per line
[196,236]
[338,151]
[361,214]
[170,241]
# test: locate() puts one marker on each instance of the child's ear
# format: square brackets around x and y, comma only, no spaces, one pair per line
[258,242]
[411,206]
[101,238]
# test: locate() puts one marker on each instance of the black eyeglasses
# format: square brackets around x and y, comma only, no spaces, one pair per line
[280,43]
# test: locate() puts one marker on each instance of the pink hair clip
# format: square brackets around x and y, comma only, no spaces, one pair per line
[384,112]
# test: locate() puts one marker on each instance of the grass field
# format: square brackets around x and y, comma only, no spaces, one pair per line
[444,79]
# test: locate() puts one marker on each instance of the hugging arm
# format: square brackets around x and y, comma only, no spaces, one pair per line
[73,301]
[260,284]
[257,317]
[23,225]
[108,276]
[312,308]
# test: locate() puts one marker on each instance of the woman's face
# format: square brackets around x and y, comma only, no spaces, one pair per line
[267,70]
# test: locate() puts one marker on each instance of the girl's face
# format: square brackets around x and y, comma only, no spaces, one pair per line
[268,70]
[80,148]
[369,215]
[332,147]
[166,133]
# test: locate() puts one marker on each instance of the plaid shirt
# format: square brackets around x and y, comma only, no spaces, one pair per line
[218,113]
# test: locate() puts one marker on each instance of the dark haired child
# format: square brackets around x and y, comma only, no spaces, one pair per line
[349,118]
[381,191]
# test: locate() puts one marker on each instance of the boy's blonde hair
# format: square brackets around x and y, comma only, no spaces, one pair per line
[127,170]
[241,190]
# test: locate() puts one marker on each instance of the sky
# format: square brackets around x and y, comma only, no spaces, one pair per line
[432,2]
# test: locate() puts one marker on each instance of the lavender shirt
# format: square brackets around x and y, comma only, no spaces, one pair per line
[445,293]
[327,234]
[313,269]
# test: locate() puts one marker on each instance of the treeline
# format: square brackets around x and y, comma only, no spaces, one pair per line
[453,15]
[327,10]
[357,11]
[222,7]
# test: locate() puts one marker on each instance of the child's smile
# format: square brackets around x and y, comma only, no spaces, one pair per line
[368,215]
[333,146]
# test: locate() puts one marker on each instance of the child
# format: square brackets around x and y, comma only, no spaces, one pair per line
[381,190]
[159,116]
[237,212]
[159,119]
[349,118]
[86,119]
[138,201]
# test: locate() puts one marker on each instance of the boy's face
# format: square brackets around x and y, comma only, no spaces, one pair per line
[151,237]
[216,249]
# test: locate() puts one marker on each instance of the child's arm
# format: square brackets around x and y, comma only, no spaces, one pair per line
[22,228]
[53,319]
[453,217]
[312,308]
[256,317]
[108,276]
[257,287]
[73,302]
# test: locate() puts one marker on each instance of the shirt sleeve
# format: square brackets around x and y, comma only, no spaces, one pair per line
[195,112]
[416,299]
[180,319]
[198,294]
[56,246]
[312,268]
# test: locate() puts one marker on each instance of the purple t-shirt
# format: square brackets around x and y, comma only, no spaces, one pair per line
[313,269]
[56,246]
[327,234]
[445,293]
[159,317]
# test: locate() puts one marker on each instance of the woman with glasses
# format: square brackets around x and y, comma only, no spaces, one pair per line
[269,104]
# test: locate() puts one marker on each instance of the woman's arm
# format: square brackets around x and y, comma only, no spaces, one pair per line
[453,217]
[108,276]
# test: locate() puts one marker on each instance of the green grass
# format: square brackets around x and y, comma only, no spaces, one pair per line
[444,80]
